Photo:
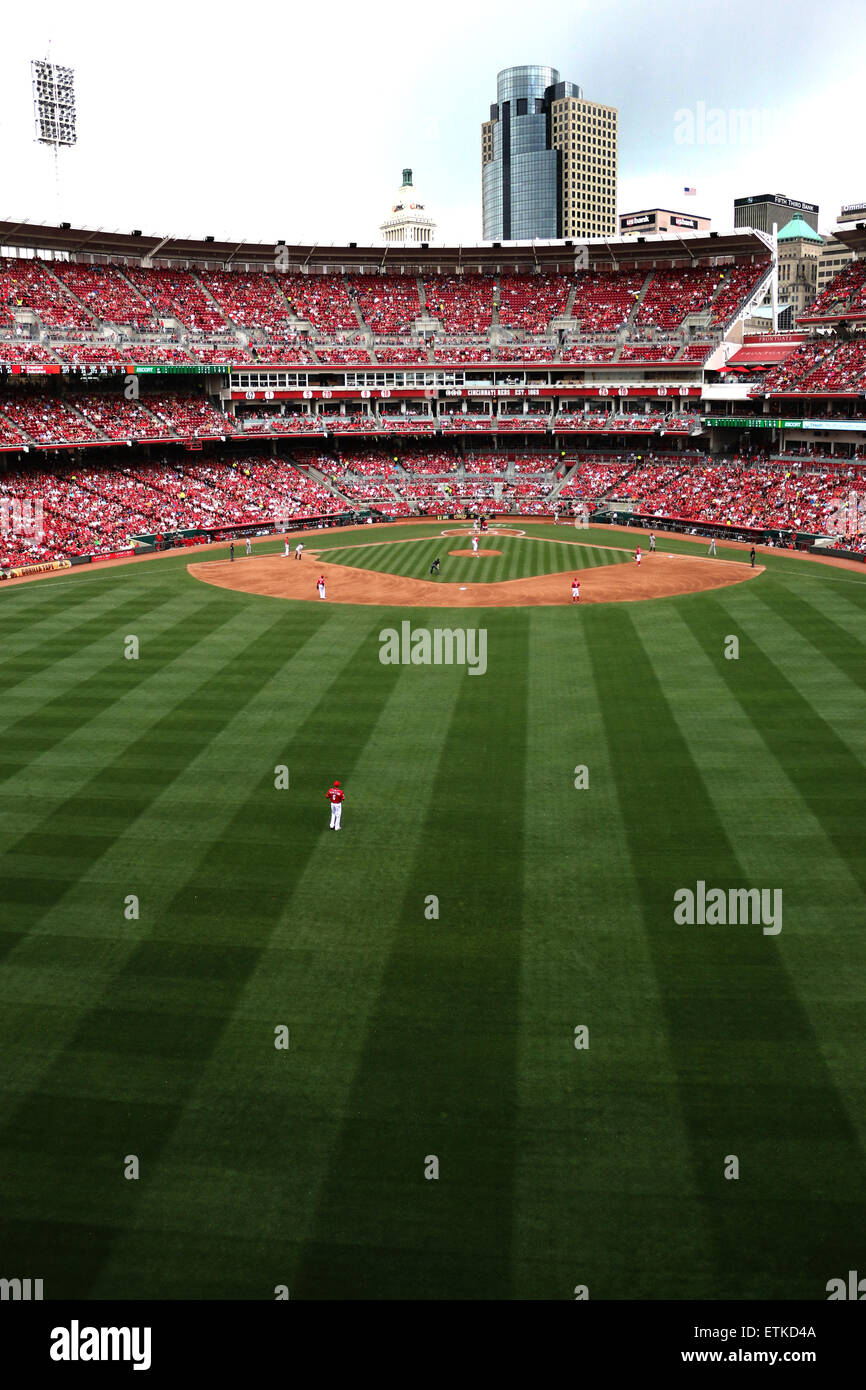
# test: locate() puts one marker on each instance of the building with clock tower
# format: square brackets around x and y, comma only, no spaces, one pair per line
[408,220]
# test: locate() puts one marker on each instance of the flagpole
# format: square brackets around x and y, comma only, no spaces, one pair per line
[775,277]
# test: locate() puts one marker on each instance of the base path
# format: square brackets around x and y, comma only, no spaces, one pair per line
[660,576]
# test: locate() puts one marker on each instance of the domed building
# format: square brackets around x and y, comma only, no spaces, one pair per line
[408,219]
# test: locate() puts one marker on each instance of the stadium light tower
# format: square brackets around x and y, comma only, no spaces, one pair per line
[54,109]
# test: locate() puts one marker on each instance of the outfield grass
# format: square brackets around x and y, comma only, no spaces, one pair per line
[412,1037]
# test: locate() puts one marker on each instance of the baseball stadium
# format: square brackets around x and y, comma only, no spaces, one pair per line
[572,1005]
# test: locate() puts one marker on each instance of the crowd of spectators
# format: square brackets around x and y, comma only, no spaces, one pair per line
[462,304]
[531,301]
[845,294]
[388,303]
[825,365]
[177,294]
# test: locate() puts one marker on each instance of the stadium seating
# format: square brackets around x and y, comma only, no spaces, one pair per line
[15,351]
[646,352]
[462,304]
[672,294]
[845,294]
[178,294]
[29,284]
[120,419]
[388,303]
[737,283]
[531,301]
[48,421]
[190,416]
[250,301]
[604,299]
[105,293]
[322,300]
[824,366]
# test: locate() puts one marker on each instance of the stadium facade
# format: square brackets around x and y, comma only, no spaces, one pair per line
[152,384]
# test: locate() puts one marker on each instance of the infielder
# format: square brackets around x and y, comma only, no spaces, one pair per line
[712,549]
[288,548]
[335,796]
[320,585]
[299,550]
[575,590]
[249,546]
[637,556]
[652,540]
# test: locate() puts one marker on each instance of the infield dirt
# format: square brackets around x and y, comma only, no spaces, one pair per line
[659,576]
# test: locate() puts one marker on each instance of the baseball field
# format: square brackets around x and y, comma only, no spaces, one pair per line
[467,1047]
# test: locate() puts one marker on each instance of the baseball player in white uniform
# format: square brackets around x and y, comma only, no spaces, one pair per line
[299,550]
[336,798]
[474,545]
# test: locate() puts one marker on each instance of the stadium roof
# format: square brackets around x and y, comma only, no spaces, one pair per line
[662,251]
[762,354]
[852,237]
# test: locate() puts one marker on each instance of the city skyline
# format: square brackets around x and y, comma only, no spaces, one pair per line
[691,114]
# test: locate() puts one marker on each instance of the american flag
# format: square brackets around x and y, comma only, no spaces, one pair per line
[690,190]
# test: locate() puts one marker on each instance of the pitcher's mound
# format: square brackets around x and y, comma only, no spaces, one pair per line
[474,552]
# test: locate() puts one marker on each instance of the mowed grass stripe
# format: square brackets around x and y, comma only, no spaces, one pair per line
[778,839]
[126,774]
[796,728]
[279,1113]
[87,930]
[437,1073]
[28,626]
[592,1206]
[167,1004]
[116,715]
[76,682]
[811,621]
[800,666]
[724,990]
[40,657]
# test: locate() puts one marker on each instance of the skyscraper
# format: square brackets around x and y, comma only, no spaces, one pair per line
[548,160]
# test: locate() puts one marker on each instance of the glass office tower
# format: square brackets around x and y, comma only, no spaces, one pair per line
[548,160]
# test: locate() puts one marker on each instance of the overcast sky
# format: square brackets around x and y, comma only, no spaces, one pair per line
[295,122]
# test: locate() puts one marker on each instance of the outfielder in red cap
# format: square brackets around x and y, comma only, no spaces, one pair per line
[335,796]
